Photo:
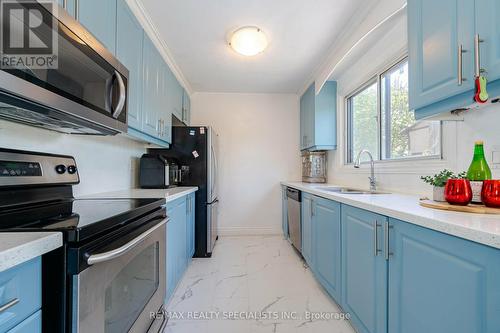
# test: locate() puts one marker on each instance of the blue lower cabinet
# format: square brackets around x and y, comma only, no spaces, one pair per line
[326,245]
[21,288]
[306,221]
[440,283]
[32,324]
[180,240]
[191,207]
[364,270]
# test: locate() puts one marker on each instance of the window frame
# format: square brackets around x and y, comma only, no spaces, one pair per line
[377,78]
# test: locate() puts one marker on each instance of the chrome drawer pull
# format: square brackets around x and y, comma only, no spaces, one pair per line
[8,305]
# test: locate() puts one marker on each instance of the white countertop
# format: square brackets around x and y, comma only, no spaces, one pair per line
[19,247]
[480,228]
[169,194]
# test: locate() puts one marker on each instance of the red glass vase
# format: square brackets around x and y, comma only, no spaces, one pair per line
[491,193]
[458,192]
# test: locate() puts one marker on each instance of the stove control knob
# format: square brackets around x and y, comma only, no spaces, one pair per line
[71,169]
[60,169]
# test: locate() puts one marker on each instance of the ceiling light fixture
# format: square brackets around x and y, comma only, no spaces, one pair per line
[248,41]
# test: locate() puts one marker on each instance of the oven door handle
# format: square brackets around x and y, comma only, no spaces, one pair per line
[115,253]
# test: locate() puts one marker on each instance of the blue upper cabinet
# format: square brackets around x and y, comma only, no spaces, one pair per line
[434,57]
[318,118]
[151,88]
[186,108]
[175,95]
[99,17]
[364,270]
[488,30]
[326,245]
[439,283]
[130,54]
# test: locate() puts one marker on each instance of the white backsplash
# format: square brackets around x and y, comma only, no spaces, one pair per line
[104,163]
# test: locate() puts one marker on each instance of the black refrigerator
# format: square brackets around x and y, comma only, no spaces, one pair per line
[197,148]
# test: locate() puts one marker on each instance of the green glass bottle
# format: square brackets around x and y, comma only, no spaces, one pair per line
[478,172]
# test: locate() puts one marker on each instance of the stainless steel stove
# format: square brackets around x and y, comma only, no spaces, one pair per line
[110,274]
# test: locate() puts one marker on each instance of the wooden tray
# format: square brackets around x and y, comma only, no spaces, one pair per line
[471,208]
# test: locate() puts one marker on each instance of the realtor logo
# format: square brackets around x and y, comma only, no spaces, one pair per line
[28,34]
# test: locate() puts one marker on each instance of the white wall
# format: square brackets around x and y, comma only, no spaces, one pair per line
[259,147]
[104,163]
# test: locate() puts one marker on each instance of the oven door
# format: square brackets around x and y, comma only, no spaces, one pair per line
[124,286]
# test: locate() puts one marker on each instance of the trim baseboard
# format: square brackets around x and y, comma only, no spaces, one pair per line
[248,231]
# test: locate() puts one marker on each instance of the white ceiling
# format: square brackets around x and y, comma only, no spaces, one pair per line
[300,34]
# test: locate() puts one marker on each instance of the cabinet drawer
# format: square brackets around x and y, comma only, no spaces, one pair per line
[20,286]
[33,324]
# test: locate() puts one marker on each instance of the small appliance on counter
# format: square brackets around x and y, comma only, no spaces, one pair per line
[154,172]
[314,166]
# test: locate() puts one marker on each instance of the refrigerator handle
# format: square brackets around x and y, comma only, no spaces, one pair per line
[214,178]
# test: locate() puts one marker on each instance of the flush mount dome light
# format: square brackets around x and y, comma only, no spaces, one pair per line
[248,41]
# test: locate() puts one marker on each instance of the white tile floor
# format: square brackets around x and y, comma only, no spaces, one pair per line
[255,276]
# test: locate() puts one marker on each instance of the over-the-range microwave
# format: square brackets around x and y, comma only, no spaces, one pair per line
[83,91]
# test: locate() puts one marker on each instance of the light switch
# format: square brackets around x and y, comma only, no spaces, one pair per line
[495,157]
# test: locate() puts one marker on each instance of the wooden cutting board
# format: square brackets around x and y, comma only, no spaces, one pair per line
[471,208]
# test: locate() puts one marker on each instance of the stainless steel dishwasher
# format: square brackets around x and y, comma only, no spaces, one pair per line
[294,199]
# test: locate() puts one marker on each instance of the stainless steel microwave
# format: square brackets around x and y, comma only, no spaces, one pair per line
[86,93]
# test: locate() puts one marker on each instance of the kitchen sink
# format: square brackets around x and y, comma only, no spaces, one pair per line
[347,190]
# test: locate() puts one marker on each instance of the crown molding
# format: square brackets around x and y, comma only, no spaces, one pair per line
[151,30]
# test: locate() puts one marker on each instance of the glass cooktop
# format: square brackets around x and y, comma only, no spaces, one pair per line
[78,218]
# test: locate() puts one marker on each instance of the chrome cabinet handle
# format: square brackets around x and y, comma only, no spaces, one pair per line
[8,305]
[312,207]
[477,51]
[123,96]
[376,250]
[387,228]
[115,253]
[461,51]
[65,4]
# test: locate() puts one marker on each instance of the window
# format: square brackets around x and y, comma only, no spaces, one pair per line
[379,119]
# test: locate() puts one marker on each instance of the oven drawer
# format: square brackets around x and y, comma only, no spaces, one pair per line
[33,324]
[20,293]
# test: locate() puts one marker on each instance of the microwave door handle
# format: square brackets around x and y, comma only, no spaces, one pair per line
[118,252]
[123,95]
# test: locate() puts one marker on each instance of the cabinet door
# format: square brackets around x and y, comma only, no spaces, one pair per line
[327,245]
[307,118]
[176,244]
[364,270]
[440,283]
[190,225]
[433,49]
[165,112]
[130,54]
[99,17]
[306,220]
[151,86]
[488,28]
[284,212]
[186,108]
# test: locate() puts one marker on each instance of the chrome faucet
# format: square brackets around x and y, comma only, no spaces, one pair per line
[357,165]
